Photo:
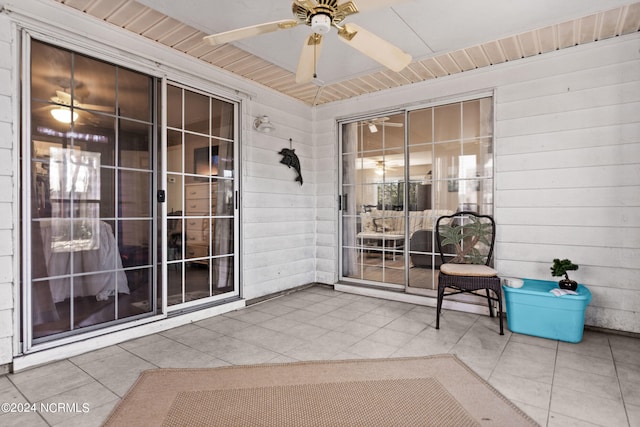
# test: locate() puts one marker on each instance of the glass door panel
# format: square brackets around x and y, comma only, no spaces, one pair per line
[420,126]
[90,211]
[421,249]
[373,194]
[458,162]
[200,197]
[392,199]
[130,86]
[447,122]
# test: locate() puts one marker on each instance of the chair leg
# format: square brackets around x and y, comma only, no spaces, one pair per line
[439,305]
[500,313]
[489,303]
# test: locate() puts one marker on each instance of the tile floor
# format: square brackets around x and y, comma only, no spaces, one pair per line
[595,382]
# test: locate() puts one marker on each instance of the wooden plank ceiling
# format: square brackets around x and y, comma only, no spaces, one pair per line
[134,17]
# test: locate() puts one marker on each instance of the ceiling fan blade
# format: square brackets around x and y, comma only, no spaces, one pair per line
[374,47]
[64,98]
[251,31]
[384,121]
[307,4]
[308,58]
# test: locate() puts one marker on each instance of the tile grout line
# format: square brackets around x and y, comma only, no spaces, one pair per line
[26,400]
[553,380]
[501,354]
[558,350]
[615,367]
[117,399]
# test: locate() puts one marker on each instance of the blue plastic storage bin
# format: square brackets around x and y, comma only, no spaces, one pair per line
[534,310]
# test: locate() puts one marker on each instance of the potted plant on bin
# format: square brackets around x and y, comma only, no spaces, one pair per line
[560,268]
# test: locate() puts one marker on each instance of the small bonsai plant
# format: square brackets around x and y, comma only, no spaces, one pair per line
[560,268]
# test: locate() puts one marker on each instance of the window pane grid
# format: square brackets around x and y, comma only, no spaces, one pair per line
[91,156]
[387,231]
[200,196]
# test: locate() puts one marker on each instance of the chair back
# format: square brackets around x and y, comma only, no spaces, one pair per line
[465,238]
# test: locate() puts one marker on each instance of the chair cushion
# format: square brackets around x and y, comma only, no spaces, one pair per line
[477,270]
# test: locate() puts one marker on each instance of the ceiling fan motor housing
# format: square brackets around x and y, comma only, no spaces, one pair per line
[322,14]
[320,23]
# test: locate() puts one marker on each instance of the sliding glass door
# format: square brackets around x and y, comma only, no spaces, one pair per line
[89,207]
[400,173]
[121,208]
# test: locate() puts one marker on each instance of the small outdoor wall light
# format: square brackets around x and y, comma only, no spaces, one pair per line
[263,124]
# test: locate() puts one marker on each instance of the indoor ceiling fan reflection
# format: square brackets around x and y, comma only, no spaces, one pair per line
[383,167]
[65,109]
[373,124]
[62,111]
[321,16]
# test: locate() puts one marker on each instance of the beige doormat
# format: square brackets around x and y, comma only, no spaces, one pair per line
[421,391]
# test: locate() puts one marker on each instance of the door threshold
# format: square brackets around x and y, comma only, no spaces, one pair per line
[84,345]
[401,296]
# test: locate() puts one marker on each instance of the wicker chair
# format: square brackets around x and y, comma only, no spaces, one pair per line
[465,242]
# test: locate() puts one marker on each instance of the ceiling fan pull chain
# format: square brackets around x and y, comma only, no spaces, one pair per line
[315,59]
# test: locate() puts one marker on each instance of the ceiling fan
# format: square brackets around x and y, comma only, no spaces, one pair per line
[382,167]
[64,98]
[321,15]
[61,109]
[379,121]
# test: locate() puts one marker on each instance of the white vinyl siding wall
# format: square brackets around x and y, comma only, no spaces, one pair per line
[7,174]
[567,170]
[277,216]
[278,213]
[326,158]
[567,167]
[568,179]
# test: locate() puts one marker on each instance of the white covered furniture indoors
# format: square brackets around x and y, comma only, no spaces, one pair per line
[386,229]
[102,264]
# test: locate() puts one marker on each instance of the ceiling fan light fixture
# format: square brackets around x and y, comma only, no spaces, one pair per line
[263,124]
[64,114]
[320,23]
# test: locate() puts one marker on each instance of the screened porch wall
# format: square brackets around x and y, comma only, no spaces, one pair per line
[567,167]
[8,223]
[277,214]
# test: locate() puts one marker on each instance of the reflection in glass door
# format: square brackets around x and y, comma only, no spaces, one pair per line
[373,195]
[451,163]
[88,211]
[389,209]
[200,197]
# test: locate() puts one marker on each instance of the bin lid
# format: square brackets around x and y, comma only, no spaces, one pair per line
[536,287]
